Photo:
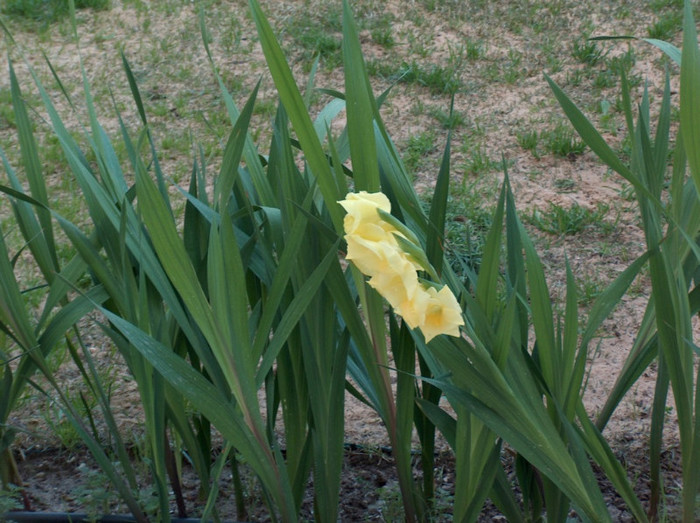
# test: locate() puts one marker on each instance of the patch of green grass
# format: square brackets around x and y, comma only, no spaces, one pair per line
[417,148]
[232,36]
[160,109]
[266,107]
[47,11]
[657,5]
[380,29]
[382,69]
[667,26]
[439,79]
[468,222]
[318,41]
[563,221]
[316,30]
[418,107]
[176,143]
[550,48]
[52,156]
[508,70]
[315,34]
[562,141]
[61,426]
[575,78]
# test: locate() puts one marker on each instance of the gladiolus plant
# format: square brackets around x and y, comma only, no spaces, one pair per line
[244,295]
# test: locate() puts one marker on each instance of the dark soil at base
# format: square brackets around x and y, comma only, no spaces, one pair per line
[63,481]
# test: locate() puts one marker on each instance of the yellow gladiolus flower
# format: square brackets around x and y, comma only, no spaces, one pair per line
[397,283]
[362,208]
[443,315]
[371,256]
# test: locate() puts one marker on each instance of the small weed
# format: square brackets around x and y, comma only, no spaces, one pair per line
[562,141]
[381,69]
[553,63]
[588,289]
[177,143]
[10,499]
[575,77]
[467,223]
[418,107]
[479,163]
[513,70]
[61,426]
[549,48]
[623,62]
[626,192]
[606,79]
[564,184]
[317,41]
[232,36]
[529,140]
[447,120]
[383,36]
[587,52]
[419,44]
[474,49]
[390,503]
[7,115]
[96,494]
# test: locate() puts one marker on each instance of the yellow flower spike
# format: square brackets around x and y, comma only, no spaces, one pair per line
[389,253]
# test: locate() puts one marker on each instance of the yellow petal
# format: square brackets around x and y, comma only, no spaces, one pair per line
[397,282]
[413,310]
[371,257]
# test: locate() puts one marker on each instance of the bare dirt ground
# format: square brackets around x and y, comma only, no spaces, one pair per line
[502,94]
